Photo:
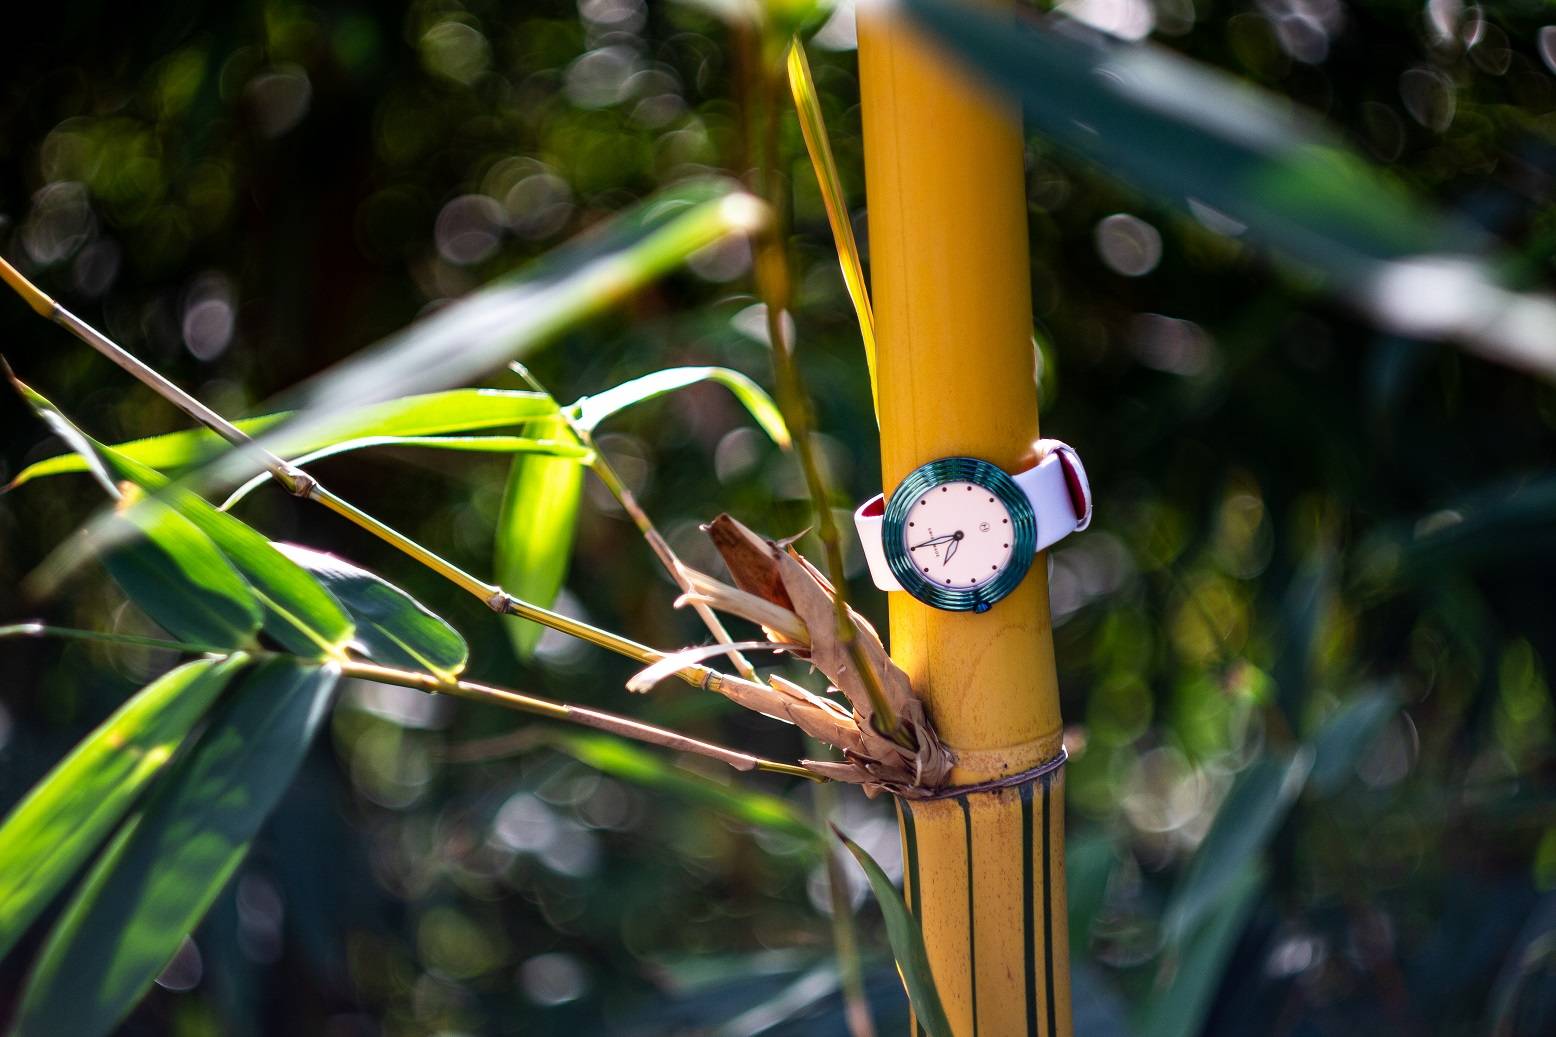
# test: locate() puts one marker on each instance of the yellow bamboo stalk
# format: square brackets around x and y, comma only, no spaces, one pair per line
[955,371]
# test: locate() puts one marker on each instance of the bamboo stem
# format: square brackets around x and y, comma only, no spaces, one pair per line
[951,289]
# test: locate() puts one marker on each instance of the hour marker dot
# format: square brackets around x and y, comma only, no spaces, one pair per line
[991,500]
[1006,521]
[1007,545]
[942,490]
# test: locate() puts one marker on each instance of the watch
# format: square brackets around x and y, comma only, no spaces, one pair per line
[960,533]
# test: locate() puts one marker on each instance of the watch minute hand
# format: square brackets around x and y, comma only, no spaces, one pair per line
[932,541]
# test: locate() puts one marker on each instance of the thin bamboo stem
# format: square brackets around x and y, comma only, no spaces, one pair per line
[432,684]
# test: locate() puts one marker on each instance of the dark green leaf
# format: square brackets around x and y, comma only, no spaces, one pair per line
[1178,1008]
[535,528]
[175,574]
[1251,814]
[589,411]
[391,626]
[1088,864]
[70,812]
[155,882]
[429,414]
[1346,734]
[630,763]
[1246,162]
[907,945]
[298,612]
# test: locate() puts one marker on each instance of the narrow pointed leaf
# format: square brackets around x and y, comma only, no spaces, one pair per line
[1253,811]
[907,944]
[176,575]
[428,414]
[813,127]
[1179,1008]
[466,444]
[535,529]
[591,410]
[653,771]
[298,612]
[154,883]
[1346,734]
[511,317]
[1246,162]
[391,626]
[69,813]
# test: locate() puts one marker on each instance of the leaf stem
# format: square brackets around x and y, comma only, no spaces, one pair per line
[598,719]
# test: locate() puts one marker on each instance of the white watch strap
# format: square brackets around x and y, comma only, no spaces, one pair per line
[1056,486]
[867,519]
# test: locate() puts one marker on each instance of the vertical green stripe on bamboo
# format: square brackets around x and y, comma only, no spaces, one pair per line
[1048,903]
[910,880]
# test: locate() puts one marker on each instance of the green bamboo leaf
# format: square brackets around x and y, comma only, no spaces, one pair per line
[298,612]
[427,414]
[813,127]
[589,411]
[391,626]
[68,814]
[628,762]
[468,444]
[156,880]
[1253,811]
[535,528]
[515,315]
[907,944]
[176,575]
[1179,1008]
[1245,162]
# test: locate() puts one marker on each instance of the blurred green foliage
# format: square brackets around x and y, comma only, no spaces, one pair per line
[1319,548]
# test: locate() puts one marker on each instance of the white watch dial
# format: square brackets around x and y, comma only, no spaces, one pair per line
[958,535]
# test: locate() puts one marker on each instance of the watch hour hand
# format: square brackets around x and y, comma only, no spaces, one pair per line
[956,539]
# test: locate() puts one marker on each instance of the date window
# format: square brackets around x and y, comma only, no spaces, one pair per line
[983,527]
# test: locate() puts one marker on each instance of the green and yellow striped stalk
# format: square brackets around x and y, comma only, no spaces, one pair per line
[955,370]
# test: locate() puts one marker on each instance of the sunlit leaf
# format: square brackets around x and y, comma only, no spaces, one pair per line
[298,612]
[1179,1008]
[907,944]
[69,813]
[429,414]
[465,444]
[156,880]
[512,316]
[589,411]
[813,127]
[176,575]
[623,760]
[1253,811]
[391,626]
[1244,162]
[535,528]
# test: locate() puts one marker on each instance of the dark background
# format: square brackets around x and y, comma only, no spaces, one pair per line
[1293,510]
